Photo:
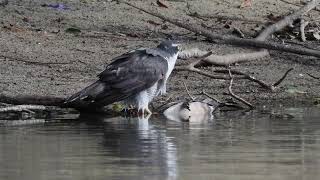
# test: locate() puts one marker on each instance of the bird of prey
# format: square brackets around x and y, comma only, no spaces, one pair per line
[133,78]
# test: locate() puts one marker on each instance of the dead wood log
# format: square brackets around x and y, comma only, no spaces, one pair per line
[32,100]
[52,101]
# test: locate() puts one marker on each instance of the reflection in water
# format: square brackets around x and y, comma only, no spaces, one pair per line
[254,145]
[144,145]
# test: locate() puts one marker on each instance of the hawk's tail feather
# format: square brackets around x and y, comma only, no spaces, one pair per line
[88,94]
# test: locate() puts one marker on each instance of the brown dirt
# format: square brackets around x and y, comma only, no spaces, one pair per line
[30,31]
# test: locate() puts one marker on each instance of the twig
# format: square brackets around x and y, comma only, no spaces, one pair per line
[222,104]
[235,96]
[211,97]
[303,25]
[238,32]
[315,77]
[282,78]
[234,40]
[186,88]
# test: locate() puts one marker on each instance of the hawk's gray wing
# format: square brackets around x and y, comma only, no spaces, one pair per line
[126,76]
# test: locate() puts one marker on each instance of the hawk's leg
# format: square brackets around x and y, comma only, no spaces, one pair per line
[163,88]
[143,100]
[144,111]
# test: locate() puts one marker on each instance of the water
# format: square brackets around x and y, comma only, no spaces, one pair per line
[279,144]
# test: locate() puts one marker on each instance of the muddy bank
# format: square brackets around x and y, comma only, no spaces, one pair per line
[56,52]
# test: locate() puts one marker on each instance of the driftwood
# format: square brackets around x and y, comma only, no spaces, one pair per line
[32,100]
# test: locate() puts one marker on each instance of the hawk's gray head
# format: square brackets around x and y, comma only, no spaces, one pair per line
[167,49]
[171,47]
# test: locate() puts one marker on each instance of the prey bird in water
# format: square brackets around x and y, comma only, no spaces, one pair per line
[134,78]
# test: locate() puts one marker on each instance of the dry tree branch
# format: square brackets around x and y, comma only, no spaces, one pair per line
[236,96]
[188,92]
[239,41]
[211,97]
[32,100]
[282,78]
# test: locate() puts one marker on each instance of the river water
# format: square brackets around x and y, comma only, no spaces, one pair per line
[268,144]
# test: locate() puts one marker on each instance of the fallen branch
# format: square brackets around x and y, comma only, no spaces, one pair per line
[32,100]
[51,101]
[236,96]
[234,40]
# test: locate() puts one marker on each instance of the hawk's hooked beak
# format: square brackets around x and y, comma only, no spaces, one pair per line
[178,45]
